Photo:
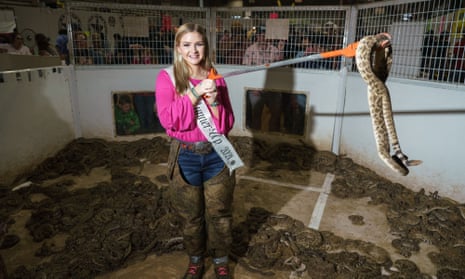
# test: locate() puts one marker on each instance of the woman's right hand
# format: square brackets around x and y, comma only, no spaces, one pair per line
[207,86]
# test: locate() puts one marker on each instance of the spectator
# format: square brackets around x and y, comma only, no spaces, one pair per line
[459,55]
[147,56]
[292,45]
[224,47]
[307,47]
[100,54]
[440,60]
[16,46]
[262,51]
[330,40]
[82,54]
[61,44]
[165,47]
[120,50]
[259,53]
[427,52]
[44,48]
[141,54]
[238,47]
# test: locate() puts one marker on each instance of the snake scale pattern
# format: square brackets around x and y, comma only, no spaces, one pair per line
[374,59]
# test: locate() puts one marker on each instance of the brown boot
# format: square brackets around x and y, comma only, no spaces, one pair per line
[194,271]
[222,271]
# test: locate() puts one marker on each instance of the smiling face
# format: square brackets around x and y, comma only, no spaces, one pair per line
[191,53]
[192,47]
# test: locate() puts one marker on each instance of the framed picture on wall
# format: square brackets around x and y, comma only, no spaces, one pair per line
[276,111]
[134,113]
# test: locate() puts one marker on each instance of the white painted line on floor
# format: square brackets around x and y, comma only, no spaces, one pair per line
[321,202]
[289,185]
[315,188]
[320,205]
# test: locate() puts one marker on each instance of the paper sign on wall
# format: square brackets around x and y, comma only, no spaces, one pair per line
[136,26]
[277,29]
[7,21]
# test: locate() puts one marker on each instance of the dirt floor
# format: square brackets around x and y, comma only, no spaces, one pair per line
[304,195]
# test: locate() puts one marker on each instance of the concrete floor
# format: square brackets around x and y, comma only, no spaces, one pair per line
[305,196]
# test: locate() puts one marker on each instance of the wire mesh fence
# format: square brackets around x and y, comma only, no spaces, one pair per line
[126,34]
[428,36]
[259,36]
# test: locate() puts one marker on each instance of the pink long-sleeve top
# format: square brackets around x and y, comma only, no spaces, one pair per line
[176,112]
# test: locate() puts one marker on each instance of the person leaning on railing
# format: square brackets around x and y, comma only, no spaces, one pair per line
[16,46]
[61,45]
[44,48]
[82,53]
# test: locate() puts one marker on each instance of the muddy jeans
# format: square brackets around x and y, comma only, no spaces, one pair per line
[206,210]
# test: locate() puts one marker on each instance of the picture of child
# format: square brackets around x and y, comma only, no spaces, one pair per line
[127,120]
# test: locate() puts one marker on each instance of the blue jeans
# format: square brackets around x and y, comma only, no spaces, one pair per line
[198,168]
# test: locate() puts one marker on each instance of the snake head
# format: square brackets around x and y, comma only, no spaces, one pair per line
[383,39]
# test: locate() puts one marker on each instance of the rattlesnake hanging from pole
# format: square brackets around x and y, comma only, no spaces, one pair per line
[374,58]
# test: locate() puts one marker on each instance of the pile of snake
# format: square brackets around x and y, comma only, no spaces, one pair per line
[374,59]
[127,216]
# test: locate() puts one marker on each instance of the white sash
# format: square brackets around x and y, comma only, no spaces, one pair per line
[219,142]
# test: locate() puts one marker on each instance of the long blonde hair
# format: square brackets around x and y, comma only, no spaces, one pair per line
[180,67]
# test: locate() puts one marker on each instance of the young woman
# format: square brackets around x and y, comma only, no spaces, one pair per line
[202,185]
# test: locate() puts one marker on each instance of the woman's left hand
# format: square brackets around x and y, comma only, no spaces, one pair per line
[211,92]
[210,98]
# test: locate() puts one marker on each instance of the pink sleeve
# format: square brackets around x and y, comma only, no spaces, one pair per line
[176,113]
[225,122]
